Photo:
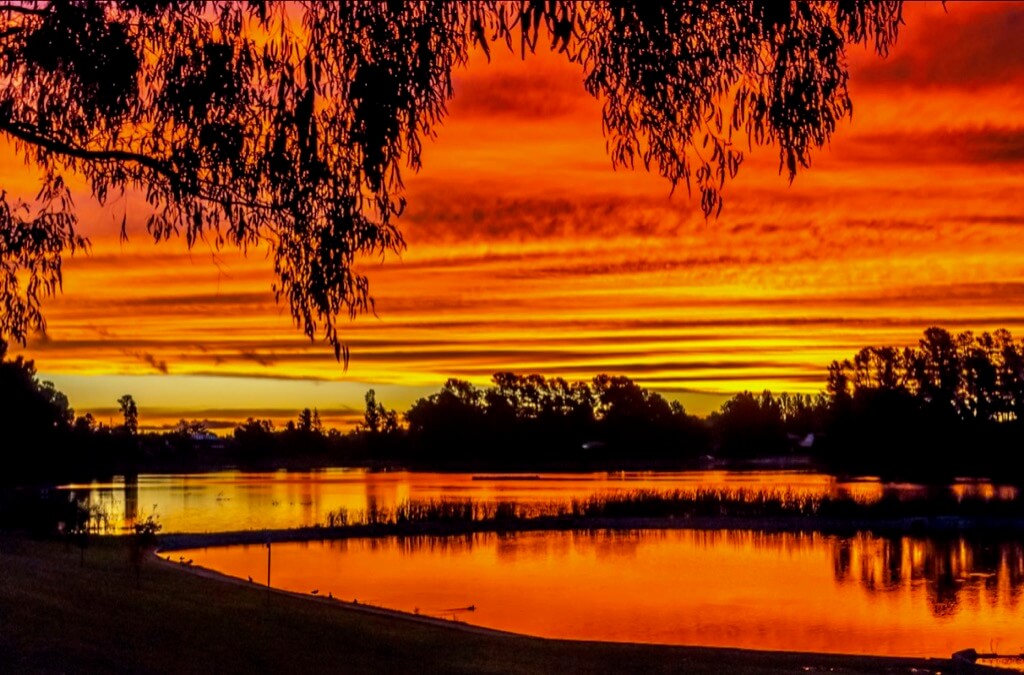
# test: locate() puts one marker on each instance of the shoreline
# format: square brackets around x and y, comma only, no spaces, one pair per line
[940,663]
[65,613]
[373,610]
[917,525]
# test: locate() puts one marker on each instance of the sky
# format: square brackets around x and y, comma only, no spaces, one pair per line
[528,252]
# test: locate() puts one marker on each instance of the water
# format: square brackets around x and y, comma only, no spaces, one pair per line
[813,592]
[236,500]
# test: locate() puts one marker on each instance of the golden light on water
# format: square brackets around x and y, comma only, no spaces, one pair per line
[898,596]
[228,501]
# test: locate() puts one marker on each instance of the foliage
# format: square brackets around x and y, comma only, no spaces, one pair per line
[130,411]
[309,422]
[377,419]
[974,378]
[530,419]
[751,426]
[34,414]
[256,436]
[949,406]
[141,540]
[925,405]
[289,124]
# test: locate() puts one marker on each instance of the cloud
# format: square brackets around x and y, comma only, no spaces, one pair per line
[526,252]
[251,355]
[159,365]
[716,372]
[545,90]
[164,418]
[973,45]
[970,146]
[211,424]
[179,303]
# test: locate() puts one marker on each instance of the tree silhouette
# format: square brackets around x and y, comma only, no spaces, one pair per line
[377,419]
[130,411]
[290,123]
[34,415]
[749,425]
[309,422]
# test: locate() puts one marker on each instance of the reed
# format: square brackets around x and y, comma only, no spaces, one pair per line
[698,503]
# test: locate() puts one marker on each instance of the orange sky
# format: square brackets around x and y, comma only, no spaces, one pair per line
[528,253]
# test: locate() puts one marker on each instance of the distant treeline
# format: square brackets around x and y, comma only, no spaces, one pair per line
[952,405]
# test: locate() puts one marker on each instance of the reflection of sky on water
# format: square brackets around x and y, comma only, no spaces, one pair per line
[800,591]
[234,500]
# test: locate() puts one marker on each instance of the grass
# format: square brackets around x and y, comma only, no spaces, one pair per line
[58,616]
[701,503]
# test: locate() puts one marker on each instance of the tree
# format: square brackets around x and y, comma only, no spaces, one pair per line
[289,124]
[192,429]
[372,418]
[309,422]
[130,411]
[377,419]
[750,426]
[85,424]
[937,369]
[35,419]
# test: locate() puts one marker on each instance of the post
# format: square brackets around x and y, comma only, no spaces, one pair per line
[268,570]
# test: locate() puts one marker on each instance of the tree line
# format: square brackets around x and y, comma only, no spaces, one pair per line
[951,405]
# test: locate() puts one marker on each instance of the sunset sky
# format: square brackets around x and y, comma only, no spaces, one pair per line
[527,252]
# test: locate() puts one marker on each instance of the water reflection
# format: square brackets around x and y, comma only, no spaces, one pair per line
[803,591]
[955,572]
[234,500]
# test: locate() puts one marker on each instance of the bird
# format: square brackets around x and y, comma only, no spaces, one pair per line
[250,579]
[189,561]
[330,596]
[315,591]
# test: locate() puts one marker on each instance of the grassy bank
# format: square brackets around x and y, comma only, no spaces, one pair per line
[646,510]
[58,616]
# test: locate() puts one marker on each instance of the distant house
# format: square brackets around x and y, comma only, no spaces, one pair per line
[798,442]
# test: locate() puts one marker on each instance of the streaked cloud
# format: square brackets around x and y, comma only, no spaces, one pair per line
[963,46]
[527,252]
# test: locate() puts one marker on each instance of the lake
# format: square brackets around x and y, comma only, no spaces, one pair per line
[238,500]
[784,591]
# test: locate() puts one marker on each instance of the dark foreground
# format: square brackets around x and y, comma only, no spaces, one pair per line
[59,617]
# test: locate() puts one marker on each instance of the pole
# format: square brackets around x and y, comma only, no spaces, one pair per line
[268,571]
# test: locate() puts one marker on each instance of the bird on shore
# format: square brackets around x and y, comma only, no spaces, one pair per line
[250,579]
[330,596]
[315,591]
[189,561]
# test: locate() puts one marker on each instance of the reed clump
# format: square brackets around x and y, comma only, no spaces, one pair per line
[699,503]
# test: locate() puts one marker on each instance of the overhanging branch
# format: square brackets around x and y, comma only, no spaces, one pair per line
[28,135]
